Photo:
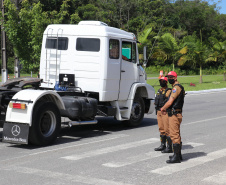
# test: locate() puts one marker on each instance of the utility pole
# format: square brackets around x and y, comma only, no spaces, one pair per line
[17,62]
[3,47]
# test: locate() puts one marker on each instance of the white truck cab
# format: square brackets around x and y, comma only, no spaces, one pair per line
[92,51]
[86,70]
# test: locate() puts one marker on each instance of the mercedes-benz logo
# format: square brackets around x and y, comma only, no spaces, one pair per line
[15,130]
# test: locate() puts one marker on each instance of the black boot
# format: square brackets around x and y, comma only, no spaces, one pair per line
[179,153]
[168,149]
[163,143]
[176,156]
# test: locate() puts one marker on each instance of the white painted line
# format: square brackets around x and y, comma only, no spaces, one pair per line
[221,117]
[111,149]
[209,91]
[66,147]
[141,157]
[62,177]
[195,144]
[177,167]
[133,160]
[72,146]
[216,179]
[4,145]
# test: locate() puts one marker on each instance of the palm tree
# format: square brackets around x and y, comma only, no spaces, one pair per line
[219,49]
[167,48]
[143,36]
[143,39]
[195,52]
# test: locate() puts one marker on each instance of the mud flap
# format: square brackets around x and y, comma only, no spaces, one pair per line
[15,133]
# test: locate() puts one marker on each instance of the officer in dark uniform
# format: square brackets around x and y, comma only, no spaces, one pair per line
[174,107]
[163,120]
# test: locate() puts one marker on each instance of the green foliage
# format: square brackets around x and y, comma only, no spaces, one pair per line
[210,82]
[169,29]
[23,29]
[167,48]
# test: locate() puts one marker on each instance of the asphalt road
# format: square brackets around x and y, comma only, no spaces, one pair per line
[110,154]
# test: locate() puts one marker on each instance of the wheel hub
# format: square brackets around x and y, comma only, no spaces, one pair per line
[48,123]
[136,111]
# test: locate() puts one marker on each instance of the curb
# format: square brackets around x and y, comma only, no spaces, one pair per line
[206,91]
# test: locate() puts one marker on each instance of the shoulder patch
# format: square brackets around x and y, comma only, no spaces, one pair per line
[174,89]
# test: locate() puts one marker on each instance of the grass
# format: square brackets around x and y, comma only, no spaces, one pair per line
[209,82]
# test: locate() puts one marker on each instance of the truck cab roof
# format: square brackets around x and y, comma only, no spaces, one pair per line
[88,28]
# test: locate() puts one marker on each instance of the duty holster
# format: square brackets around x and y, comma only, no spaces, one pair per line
[156,109]
[172,112]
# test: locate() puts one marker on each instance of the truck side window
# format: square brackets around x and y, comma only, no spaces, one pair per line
[51,43]
[129,51]
[88,44]
[114,49]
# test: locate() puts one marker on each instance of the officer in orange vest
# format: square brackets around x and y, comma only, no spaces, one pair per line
[163,120]
[174,107]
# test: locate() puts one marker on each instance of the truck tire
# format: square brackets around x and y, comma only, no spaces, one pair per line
[137,112]
[46,124]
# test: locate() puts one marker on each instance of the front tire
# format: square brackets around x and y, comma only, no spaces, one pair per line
[137,112]
[46,124]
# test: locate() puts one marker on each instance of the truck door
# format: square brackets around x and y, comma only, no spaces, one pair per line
[129,68]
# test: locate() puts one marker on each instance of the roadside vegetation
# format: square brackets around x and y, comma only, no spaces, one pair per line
[191,83]
[188,36]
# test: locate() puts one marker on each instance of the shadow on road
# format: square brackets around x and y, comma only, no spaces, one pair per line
[188,156]
[105,126]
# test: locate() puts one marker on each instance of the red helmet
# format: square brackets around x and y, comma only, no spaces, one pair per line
[172,73]
[163,78]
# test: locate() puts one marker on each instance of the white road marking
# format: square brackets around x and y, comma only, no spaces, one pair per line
[62,177]
[66,147]
[72,146]
[216,179]
[177,167]
[194,144]
[210,91]
[221,117]
[141,157]
[111,149]
[4,145]
[134,159]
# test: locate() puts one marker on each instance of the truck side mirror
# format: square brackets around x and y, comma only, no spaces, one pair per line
[145,54]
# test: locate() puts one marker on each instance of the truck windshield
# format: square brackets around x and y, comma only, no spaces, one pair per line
[51,43]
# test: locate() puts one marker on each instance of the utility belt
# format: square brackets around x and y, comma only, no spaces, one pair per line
[173,111]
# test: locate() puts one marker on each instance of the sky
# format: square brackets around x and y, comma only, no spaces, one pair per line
[222,4]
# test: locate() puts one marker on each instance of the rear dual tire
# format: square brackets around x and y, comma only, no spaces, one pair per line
[46,124]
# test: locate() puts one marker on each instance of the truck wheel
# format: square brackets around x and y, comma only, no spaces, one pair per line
[46,124]
[137,112]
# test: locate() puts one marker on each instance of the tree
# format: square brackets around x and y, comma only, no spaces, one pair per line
[193,16]
[167,48]
[219,53]
[195,52]
[25,28]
